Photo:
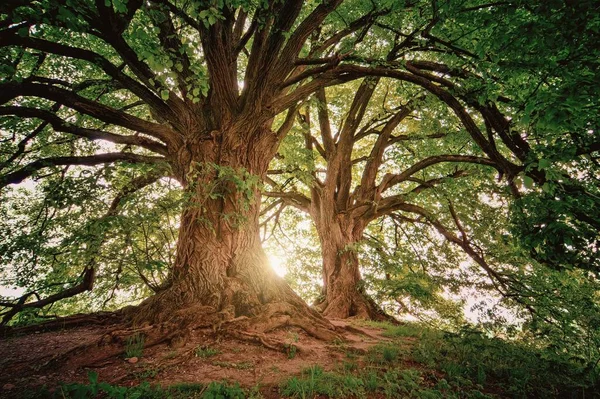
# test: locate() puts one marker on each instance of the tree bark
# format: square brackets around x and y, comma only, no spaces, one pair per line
[343,294]
[221,274]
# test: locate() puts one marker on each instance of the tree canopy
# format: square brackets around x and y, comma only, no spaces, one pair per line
[147,145]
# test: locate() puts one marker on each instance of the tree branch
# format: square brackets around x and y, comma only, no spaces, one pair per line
[60,125]
[390,180]
[9,91]
[91,160]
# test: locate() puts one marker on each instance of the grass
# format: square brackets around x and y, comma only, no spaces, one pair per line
[291,350]
[315,381]
[206,351]
[233,365]
[93,389]
[134,346]
[436,365]
[449,365]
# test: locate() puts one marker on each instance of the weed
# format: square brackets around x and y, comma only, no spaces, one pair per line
[349,366]
[147,372]
[95,388]
[383,353]
[294,337]
[371,381]
[315,381]
[232,365]
[390,354]
[291,350]
[206,352]
[222,390]
[254,392]
[134,346]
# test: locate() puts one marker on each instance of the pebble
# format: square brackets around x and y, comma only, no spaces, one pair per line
[133,360]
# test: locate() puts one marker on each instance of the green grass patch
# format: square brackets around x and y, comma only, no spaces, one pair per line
[315,381]
[134,346]
[206,351]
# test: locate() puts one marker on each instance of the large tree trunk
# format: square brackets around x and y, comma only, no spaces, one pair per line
[221,275]
[343,293]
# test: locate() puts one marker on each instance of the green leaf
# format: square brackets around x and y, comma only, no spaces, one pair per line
[544,164]
[527,182]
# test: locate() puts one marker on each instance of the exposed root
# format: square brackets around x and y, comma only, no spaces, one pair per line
[358,331]
[261,338]
[355,305]
[61,323]
[161,321]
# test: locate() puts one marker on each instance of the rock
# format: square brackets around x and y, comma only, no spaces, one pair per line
[8,387]
[133,360]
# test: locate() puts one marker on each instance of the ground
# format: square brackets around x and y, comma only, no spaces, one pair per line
[50,358]
[368,360]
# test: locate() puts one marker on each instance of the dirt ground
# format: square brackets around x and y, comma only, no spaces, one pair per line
[49,358]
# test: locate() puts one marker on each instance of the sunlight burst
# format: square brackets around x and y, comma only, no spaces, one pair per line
[277,264]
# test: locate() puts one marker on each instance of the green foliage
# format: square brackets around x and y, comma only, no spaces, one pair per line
[291,350]
[315,381]
[134,346]
[217,182]
[535,224]
[206,352]
[470,358]
[467,364]
[94,389]
[217,390]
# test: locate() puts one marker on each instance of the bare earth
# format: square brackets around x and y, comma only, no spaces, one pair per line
[50,358]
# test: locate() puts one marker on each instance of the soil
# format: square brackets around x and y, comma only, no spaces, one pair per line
[48,359]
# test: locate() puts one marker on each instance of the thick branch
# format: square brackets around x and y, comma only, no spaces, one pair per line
[102,112]
[390,180]
[60,125]
[94,58]
[86,284]
[91,160]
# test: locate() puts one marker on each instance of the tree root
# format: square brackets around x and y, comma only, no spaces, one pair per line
[177,326]
[61,323]
[354,305]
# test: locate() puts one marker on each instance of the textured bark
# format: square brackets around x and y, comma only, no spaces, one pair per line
[221,275]
[343,293]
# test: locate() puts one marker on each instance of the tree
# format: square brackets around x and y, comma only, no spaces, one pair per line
[354,189]
[163,78]
[206,91]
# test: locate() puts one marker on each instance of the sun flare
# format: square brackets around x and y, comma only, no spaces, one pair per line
[277,264]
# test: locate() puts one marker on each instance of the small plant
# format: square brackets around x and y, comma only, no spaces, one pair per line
[254,393]
[102,389]
[134,346]
[222,390]
[383,353]
[294,337]
[206,352]
[315,381]
[147,372]
[232,365]
[291,350]
[349,365]
[390,354]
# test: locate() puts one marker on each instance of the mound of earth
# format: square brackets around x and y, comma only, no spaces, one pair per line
[47,359]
